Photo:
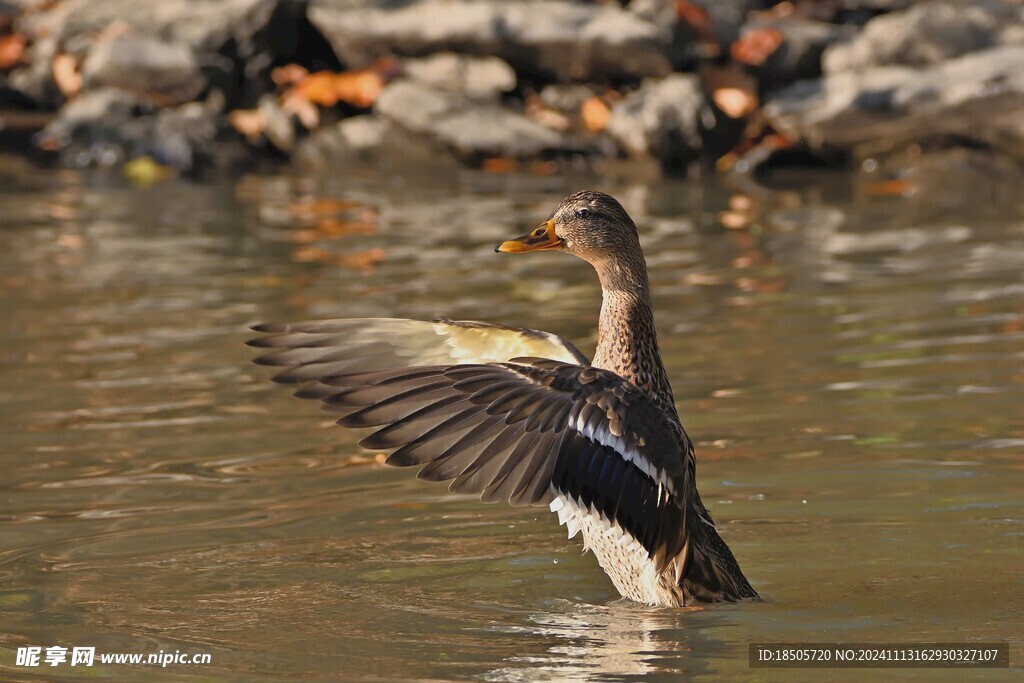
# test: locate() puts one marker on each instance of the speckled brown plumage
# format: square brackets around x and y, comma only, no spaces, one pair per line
[628,346]
[601,444]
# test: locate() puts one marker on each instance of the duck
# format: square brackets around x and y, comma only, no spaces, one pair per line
[523,416]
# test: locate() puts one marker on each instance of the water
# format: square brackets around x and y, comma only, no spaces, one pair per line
[849,365]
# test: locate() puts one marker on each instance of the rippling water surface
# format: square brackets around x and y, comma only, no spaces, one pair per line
[849,362]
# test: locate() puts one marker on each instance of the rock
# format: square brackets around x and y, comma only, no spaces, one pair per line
[205,25]
[145,64]
[799,55]
[476,77]
[978,97]
[728,16]
[278,125]
[366,140]
[221,34]
[106,126]
[661,120]
[561,39]
[98,109]
[471,128]
[566,98]
[929,33]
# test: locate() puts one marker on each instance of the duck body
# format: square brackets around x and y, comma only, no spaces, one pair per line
[521,416]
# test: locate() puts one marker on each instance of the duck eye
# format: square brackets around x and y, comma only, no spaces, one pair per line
[582,213]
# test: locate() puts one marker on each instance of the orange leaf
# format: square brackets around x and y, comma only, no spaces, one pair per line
[757,45]
[697,18]
[248,122]
[595,114]
[735,102]
[358,88]
[12,49]
[65,74]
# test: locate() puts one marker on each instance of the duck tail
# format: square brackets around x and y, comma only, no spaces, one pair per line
[711,572]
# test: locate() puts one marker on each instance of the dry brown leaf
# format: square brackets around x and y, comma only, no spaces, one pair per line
[735,103]
[66,75]
[12,50]
[248,122]
[536,110]
[595,114]
[757,45]
[697,18]
[358,88]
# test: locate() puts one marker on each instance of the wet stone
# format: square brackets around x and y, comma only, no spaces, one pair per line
[476,77]
[145,64]
[660,120]
[564,40]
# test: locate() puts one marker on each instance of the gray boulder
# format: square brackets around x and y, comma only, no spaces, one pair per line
[107,126]
[977,97]
[146,64]
[470,128]
[660,120]
[929,33]
[563,39]
[477,77]
[803,44]
[367,140]
[210,28]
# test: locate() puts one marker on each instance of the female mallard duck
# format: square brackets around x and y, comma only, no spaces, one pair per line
[520,415]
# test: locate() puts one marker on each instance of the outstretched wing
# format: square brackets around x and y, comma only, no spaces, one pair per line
[525,431]
[322,348]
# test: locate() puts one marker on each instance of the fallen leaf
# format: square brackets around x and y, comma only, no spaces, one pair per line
[358,88]
[145,171]
[12,50]
[757,45]
[546,116]
[697,18]
[595,114]
[248,122]
[735,103]
[66,75]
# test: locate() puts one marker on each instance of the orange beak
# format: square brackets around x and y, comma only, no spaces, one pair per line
[542,237]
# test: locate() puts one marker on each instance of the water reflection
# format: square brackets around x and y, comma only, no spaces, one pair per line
[848,361]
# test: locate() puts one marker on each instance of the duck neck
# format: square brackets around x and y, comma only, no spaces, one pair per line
[627,343]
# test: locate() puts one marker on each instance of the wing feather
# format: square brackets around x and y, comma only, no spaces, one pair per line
[521,430]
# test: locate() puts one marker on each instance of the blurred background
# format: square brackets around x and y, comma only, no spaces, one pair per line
[828,194]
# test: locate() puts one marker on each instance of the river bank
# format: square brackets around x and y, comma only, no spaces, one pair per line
[642,87]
